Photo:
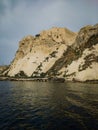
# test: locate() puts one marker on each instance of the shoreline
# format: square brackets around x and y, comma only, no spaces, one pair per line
[22,79]
[60,80]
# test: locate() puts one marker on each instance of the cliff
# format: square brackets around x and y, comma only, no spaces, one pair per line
[3,69]
[58,52]
[80,61]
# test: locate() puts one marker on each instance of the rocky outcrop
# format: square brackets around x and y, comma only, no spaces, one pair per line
[59,53]
[36,55]
[82,57]
[3,69]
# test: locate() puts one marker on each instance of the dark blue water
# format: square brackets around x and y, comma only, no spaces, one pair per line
[48,106]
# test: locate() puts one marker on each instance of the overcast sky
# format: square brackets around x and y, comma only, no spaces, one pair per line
[19,18]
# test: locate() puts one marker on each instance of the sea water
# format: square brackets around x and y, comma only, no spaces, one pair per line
[27,105]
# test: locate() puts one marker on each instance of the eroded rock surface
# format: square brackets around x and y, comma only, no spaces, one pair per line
[58,52]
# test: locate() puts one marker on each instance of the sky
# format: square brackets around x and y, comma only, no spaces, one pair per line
[19,18]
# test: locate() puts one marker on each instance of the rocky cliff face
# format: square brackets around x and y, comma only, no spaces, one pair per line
[58,52]
[80,61]
[3,69]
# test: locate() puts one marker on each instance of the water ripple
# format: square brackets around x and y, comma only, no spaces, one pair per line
[48,106]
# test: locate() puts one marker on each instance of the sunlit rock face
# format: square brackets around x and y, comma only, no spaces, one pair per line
[81,58]
[58,52]
[37,54]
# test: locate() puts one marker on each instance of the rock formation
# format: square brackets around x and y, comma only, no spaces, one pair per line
[58,52]
[3,69]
